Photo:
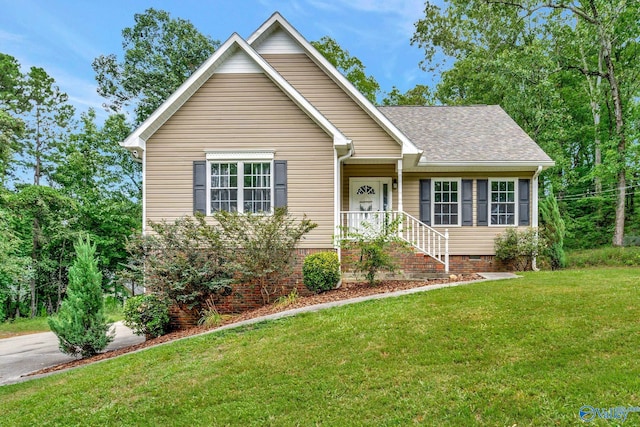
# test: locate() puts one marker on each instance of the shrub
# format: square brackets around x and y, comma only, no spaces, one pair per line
[518,248]
[81,324]
[183,262]
[373,245]
[147,315]
[261,248]
[321,271]
[552,231]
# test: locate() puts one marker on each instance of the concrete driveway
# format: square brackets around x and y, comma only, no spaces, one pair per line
[29,353]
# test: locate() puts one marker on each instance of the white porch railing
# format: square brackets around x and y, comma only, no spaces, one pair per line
[410,229]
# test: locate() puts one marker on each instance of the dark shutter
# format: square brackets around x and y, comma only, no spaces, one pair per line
[425,201]
[280,183]
[482,209]
[467,202]
[523,202]
[200,186]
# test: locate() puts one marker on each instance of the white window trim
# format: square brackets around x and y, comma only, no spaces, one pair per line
[231,156]
[515,202]
[433,201]
[252,157]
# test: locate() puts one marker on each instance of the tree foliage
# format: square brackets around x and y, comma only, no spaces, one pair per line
[160,53]
[81,325]
[552,65]
[261,248]
[350,66]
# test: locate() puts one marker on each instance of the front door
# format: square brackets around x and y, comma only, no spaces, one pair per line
[368,197]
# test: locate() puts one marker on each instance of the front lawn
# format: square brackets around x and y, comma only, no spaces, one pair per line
[529,351]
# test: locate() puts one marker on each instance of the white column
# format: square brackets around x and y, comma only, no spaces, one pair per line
[400,205]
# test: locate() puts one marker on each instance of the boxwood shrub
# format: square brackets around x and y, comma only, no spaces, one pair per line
[321,271]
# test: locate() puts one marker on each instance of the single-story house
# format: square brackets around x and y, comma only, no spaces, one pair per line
[268,122]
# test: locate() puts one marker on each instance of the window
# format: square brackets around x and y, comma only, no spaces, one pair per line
[446,202]
[243,186]
[503,202]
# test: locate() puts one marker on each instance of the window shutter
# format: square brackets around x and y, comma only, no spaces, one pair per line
[425,201]
[200,186]
[467,202]
[483,201]
[523,201]
[280,183]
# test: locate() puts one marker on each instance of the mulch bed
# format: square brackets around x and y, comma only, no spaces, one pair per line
[348,290]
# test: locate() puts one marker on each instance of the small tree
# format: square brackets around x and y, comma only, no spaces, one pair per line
[552,230]
[262,247]
[81,325]
[373,242]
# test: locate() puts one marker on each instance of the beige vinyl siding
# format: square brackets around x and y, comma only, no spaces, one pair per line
[242,112]
[369,139]
[466,240]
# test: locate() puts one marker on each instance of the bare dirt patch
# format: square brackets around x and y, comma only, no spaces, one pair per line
[348,290]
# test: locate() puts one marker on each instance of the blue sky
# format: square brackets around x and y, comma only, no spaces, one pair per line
[64,36]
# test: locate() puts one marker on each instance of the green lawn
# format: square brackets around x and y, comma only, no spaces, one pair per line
[23,326]
[528,351]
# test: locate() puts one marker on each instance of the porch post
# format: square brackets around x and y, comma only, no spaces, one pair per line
[400,205]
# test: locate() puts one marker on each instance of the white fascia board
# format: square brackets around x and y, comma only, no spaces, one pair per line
[179,97]
[276,19]
[484,165]
[204,72]
[338,137]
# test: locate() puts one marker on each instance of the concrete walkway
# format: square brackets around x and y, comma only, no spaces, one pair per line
[30,353]
[24,354]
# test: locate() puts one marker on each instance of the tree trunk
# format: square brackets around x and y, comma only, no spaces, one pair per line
[34,259]
[618,235]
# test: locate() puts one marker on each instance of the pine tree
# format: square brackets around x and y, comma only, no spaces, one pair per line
[81,325]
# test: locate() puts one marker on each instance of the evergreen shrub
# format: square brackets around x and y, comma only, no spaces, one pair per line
[81,325]
[321,271]
[147,315]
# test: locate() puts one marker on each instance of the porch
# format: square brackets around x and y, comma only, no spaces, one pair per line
[419,236]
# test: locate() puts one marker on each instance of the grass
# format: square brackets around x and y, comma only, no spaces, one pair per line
[23,326]
[529,351]
[604,257]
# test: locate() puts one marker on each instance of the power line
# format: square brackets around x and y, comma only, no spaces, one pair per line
[591,194]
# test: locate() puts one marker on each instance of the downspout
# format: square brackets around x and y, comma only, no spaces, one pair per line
[337,194]
[534,209]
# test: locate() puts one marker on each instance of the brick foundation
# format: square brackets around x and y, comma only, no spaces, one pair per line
[415,265]
[412,265]
[248,296]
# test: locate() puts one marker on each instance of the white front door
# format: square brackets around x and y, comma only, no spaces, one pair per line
[367,198]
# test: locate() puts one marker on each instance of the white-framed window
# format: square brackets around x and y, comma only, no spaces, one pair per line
[240,182]
[503,194]
[446,202]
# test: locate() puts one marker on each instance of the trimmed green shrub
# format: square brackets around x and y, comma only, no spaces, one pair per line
[518,248]
[147,315]
[81,325]
[321,271]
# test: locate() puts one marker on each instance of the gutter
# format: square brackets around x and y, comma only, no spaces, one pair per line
[336,190]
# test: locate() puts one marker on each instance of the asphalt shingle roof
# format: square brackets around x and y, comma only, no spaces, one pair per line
[479,133]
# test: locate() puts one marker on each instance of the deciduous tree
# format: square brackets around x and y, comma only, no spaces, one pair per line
[160,53]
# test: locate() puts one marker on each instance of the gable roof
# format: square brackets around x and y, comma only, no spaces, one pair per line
[467,135]
[277,21]
[137,140]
